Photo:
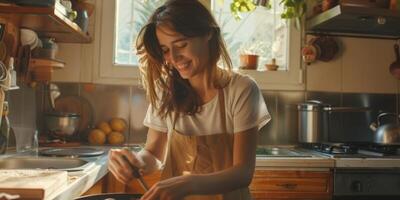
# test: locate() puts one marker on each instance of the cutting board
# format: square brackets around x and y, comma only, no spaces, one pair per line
[32,184]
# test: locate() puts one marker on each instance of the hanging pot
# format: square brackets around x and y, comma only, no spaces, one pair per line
[395,66]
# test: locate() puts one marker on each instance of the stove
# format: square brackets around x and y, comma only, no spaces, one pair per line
[354,150]
[362,170]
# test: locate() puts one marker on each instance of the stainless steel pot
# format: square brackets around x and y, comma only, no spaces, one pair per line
[386,133]
[62,125]
[314,119]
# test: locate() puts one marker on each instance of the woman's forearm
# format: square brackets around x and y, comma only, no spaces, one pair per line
[233,178]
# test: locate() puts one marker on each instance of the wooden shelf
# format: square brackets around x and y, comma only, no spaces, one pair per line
[41,70]
[47,22]
[41,62]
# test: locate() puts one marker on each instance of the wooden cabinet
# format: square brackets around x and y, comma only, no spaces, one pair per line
[277,184]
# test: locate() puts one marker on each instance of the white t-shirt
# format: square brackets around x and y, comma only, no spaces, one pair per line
[244,106]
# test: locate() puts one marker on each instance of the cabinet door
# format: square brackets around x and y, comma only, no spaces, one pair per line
[271,184]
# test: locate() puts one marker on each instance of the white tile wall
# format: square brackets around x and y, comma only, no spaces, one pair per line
[362,66]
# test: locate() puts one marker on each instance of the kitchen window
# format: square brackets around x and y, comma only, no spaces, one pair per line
[270,36]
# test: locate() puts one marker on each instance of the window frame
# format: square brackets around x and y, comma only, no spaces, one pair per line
[110,73]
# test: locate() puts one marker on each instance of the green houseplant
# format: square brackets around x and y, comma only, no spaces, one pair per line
[292,9]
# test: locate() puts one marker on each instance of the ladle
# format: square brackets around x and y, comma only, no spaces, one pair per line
[54,92]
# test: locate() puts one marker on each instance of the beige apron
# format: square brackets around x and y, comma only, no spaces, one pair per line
[202,155]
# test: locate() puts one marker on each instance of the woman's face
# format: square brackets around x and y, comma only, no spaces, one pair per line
[189,56]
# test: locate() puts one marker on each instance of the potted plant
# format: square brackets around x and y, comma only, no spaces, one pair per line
[249,54]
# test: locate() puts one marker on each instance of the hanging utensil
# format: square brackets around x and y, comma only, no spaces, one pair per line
[395,66]
[54,92]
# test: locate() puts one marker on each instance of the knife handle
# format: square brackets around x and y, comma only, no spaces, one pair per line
[137,175]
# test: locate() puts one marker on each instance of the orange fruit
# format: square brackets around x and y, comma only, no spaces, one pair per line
[116,138]
[97,137]
[118,124]
[105,127]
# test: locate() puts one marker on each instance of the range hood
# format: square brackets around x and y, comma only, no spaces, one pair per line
[356,21]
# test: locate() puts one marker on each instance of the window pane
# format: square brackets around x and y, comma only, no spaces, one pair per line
[131,15]
[260,32]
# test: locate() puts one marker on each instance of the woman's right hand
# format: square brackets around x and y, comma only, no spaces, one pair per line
[118,165]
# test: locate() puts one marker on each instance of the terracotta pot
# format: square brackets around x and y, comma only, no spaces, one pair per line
[328,4]
[248,61]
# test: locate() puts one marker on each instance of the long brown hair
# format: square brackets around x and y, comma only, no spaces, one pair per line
[165,88]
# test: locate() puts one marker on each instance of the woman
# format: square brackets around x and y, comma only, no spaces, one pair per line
[203,120]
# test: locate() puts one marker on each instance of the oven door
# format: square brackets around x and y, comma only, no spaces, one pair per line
[366,184]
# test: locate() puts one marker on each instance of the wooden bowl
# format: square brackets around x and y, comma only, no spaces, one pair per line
[271,67]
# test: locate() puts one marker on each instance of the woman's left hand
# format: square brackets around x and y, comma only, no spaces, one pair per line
[171,189]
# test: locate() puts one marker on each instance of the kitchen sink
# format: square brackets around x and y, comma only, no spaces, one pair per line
[67,164]
[279,152]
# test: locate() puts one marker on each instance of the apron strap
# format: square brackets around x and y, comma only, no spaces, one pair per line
[221,98]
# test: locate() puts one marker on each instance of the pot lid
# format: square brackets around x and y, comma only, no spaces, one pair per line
[62,114]
[312,105]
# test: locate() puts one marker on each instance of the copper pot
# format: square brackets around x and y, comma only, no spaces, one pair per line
[395,66]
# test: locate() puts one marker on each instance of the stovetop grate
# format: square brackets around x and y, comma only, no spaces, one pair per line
[348,149]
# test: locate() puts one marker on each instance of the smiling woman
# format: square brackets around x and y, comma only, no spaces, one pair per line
[203,118]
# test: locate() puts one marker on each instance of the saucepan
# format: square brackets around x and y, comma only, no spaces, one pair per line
[111,196]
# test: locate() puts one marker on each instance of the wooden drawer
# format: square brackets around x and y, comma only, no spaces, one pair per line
[272,184]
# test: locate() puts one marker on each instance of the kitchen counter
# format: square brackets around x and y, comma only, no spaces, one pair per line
[306,159]
[291,157]
[367,162]
[295,162]
[78,181]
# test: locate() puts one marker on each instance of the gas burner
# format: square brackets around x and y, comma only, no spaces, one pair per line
[355,149]
[332,148]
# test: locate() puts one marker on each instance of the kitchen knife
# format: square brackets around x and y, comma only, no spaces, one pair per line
[137,175]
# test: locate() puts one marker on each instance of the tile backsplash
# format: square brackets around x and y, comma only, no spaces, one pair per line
[27,106]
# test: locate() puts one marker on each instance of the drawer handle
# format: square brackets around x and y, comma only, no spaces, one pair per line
[289,186]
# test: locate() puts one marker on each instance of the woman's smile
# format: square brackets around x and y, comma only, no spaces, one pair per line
[183,67]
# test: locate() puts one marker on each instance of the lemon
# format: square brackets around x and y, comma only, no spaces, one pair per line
[118,124]
[116,138]
[97,137]
[105,127]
